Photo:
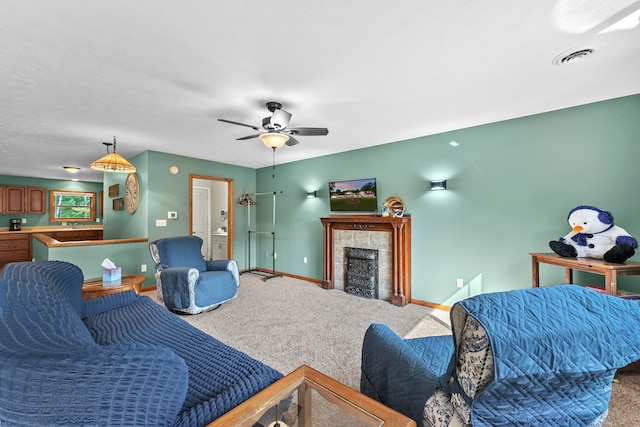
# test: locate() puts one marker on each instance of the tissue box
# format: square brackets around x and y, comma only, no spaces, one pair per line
[111,276]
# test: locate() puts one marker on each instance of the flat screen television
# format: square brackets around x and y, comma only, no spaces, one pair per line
[353,195]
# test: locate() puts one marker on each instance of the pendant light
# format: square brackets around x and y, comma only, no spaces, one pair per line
[113,162]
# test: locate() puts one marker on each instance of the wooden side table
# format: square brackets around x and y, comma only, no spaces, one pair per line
[93,288]
[610,271]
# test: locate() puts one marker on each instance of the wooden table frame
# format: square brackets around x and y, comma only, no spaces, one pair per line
[304,379]
[611,271]
[93,288]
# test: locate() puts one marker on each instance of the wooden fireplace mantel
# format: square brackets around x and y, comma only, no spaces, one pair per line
[400,229]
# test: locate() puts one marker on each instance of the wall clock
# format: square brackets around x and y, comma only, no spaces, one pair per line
[132,192]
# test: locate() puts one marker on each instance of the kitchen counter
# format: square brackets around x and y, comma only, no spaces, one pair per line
[16,246]
[50,242]
[51,228]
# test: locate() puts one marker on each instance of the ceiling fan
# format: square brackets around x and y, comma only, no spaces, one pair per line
[274,132]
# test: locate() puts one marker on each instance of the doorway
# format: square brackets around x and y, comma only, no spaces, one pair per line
[211,214]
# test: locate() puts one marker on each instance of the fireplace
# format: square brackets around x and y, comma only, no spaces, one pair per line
[390,236]
[361,272]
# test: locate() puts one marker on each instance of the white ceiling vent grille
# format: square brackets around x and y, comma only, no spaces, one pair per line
[573,55]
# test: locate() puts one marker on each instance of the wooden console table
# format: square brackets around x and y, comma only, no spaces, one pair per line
[611,271]
[93,288]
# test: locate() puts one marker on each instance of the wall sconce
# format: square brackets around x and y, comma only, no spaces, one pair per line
[173,170]
[439,185]
[312,194]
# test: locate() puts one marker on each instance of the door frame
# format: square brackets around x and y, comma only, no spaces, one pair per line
[230,207]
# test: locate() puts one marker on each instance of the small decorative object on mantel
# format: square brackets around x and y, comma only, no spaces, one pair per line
[118,204]
[394,207]
[114,190]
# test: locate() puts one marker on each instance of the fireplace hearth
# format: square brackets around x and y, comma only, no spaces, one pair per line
[390,236]
[361,272]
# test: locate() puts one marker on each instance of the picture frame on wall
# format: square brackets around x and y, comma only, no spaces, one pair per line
[114,190]
[118,204]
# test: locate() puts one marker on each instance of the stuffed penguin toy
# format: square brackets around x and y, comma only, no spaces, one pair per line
[594,235]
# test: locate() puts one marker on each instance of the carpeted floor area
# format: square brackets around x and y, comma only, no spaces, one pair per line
[286,322]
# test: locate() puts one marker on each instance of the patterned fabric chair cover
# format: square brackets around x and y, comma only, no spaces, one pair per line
[186,282]
[533,357]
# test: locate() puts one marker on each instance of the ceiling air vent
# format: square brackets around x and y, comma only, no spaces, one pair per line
[573,56]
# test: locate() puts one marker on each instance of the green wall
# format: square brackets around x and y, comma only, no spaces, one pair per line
[89,258]
[162,192]
[510,187]
[49,184]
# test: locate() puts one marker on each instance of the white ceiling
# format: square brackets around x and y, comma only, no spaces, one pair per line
[158,74]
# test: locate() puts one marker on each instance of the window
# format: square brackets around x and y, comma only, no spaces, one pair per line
[73,206]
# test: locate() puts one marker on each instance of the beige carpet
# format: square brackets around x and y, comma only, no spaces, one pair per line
[286,322]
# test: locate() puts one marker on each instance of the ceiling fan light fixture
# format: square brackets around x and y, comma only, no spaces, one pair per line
[112,162]
[273,139]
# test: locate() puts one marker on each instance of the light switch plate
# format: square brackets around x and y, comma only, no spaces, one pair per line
[161,222]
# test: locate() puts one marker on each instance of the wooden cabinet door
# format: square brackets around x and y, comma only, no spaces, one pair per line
[36,200]
[14,200]
[14,247]
[1,199]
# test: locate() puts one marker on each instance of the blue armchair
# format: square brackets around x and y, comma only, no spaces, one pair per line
[186,282]
[541,356]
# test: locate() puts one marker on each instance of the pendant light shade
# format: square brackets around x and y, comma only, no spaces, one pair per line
[273,139]
[113,162]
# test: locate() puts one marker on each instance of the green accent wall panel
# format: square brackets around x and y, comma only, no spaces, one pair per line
[510,185]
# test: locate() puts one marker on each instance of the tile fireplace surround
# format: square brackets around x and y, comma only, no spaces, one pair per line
[390,236]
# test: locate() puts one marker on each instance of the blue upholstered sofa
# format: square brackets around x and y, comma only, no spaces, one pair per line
[534,357]
[120,359]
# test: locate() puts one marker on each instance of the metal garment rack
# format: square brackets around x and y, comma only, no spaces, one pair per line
[272,233]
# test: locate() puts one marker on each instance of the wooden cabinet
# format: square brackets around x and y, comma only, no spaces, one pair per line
[75,235]
[20,200]
[14,200]
[35,200]
[219,247]
[14,247]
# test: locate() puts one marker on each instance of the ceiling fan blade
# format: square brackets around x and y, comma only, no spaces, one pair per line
[292,141]
[248,137]
[239,124]
[280,119]
[309,131]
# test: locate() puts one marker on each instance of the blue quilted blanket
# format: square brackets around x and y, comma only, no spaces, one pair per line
[555,353]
